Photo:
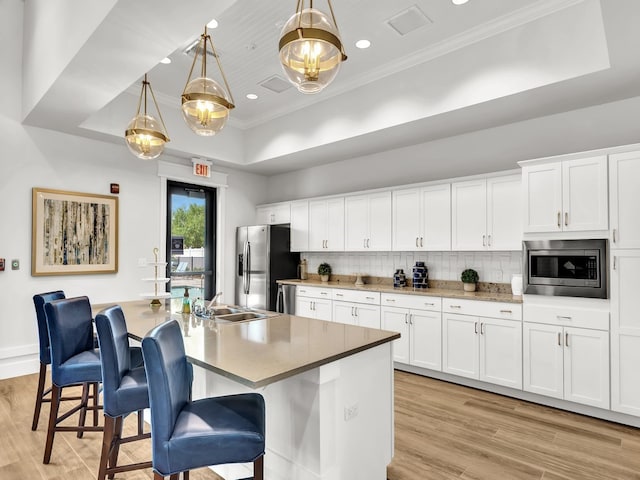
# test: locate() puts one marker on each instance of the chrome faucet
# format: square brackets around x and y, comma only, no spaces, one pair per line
[213,300]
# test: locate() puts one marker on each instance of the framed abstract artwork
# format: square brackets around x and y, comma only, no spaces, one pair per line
[73,233]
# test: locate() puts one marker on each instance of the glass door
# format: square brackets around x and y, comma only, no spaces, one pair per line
[191,240]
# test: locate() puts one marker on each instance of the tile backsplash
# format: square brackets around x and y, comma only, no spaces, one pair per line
[495,267]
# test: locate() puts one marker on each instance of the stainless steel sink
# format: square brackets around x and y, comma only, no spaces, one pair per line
[239,316]
[223,311]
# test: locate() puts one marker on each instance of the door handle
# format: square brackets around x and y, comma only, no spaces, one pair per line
[614,262]
[410,319]
[489,241]
[421,242]
[368,243]
[475,327]
[248,268]
[406,318]
[566,219]
[560,338]
[559,225]
[482,328]
[566,339]
[417,245]
[484,240]
[614,235]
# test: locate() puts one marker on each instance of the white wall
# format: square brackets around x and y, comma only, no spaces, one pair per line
[33,157]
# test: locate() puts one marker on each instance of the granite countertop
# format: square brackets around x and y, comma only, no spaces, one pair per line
[441,289]
[258,352]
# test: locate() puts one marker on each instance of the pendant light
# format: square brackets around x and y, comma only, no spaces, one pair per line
[310,48]
[146,136]
[205,104]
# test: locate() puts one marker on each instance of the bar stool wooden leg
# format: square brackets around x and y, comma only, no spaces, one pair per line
[83,408]
[39,394]
[107,442]
[258,468]
[53,418]
[115,450]
[96,396]
[185,475]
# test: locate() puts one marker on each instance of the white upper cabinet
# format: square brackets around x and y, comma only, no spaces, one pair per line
[299,226]
[486,214]
[368,222]
[566,196]
[326,225]
[624,187]
[274,214]
[422,218]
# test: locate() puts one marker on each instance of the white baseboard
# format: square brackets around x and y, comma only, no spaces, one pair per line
[18,361]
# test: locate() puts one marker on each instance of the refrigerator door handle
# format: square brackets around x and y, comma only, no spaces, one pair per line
[248,269]
[244,267]
[279,299]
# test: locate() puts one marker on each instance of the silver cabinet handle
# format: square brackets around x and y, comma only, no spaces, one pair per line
[368,243]
[614,235]
[390,300]
[566,339]
[482,328]
[370,298]
[489,241]
[455,306]
[614,262]
[484,241]
[559,225]
[364,243]
[562,317]
[355,311]
[303,291]
[352,311]
[560,338]
[417,241]
[406,318]
[313,305]
[421,241]
[506,311]
[325,293]
[475,327]
[339,295]
[566,219]
[410,319]
[429,304]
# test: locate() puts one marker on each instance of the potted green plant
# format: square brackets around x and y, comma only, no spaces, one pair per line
[324,270]
[469,279]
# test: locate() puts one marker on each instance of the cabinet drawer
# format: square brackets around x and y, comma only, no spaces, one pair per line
[567,316]
[313,292]
[509,311]
[356,296]
[416,302]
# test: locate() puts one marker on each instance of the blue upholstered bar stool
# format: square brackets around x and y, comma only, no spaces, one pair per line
[74,361]
[189,434]
[45,355]
[124,390]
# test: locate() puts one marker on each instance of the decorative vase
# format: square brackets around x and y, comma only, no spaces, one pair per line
[469,287]
[516,284]
[399,279]
[324,278]
[420,275]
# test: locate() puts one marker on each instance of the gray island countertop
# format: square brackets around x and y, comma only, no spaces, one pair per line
[257,352]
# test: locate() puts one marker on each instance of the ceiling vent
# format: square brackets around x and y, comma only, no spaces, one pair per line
[194,47]
[409,20]
[276,84]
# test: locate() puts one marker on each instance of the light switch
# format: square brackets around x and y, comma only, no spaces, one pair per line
[15,264]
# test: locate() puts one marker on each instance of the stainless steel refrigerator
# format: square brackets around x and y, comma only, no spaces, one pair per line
[262,256]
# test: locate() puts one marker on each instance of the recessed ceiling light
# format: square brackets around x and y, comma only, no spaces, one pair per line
[363,43]
[252,96]
[166,60]
[213,24]
[459,2]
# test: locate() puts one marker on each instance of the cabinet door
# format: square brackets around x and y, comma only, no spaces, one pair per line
[501,352]
[322,309]
[426,339]
[299,226]
[263,215]
[586,366]
[625,331]
[379,214]
[584,194]
[356,214]
[397,320]
[304,307]
[367,315]
[543,359]
[542,197]
[624,195]
[335,226]
[460,345]
[343,312]
[436,218]
[504,213]
[469,215]
[318,220]
[406,220]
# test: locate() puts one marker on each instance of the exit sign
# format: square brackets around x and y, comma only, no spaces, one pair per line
[201,167]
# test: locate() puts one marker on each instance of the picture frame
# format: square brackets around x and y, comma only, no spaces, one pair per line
[73,233]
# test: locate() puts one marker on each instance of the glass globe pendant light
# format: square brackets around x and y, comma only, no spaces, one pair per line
[205,104]
[146,136]
[310,48]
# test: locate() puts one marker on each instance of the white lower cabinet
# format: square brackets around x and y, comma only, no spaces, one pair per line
[482,347]
[420,328]
[567,363]
[314,302]
[356,307]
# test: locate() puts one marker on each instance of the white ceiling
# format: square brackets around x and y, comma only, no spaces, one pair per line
[475,66]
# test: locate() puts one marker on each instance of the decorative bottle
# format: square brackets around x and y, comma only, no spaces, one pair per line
[186,303]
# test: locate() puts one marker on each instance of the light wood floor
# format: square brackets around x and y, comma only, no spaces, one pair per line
[443,431]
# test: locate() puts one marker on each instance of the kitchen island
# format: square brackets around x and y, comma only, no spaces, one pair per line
[328,387]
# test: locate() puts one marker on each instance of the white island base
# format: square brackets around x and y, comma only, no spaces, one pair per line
[333,422]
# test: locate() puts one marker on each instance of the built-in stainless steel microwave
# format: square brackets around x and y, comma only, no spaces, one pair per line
[573,268]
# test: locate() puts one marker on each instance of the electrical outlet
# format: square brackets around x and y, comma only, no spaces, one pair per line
[350,412]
